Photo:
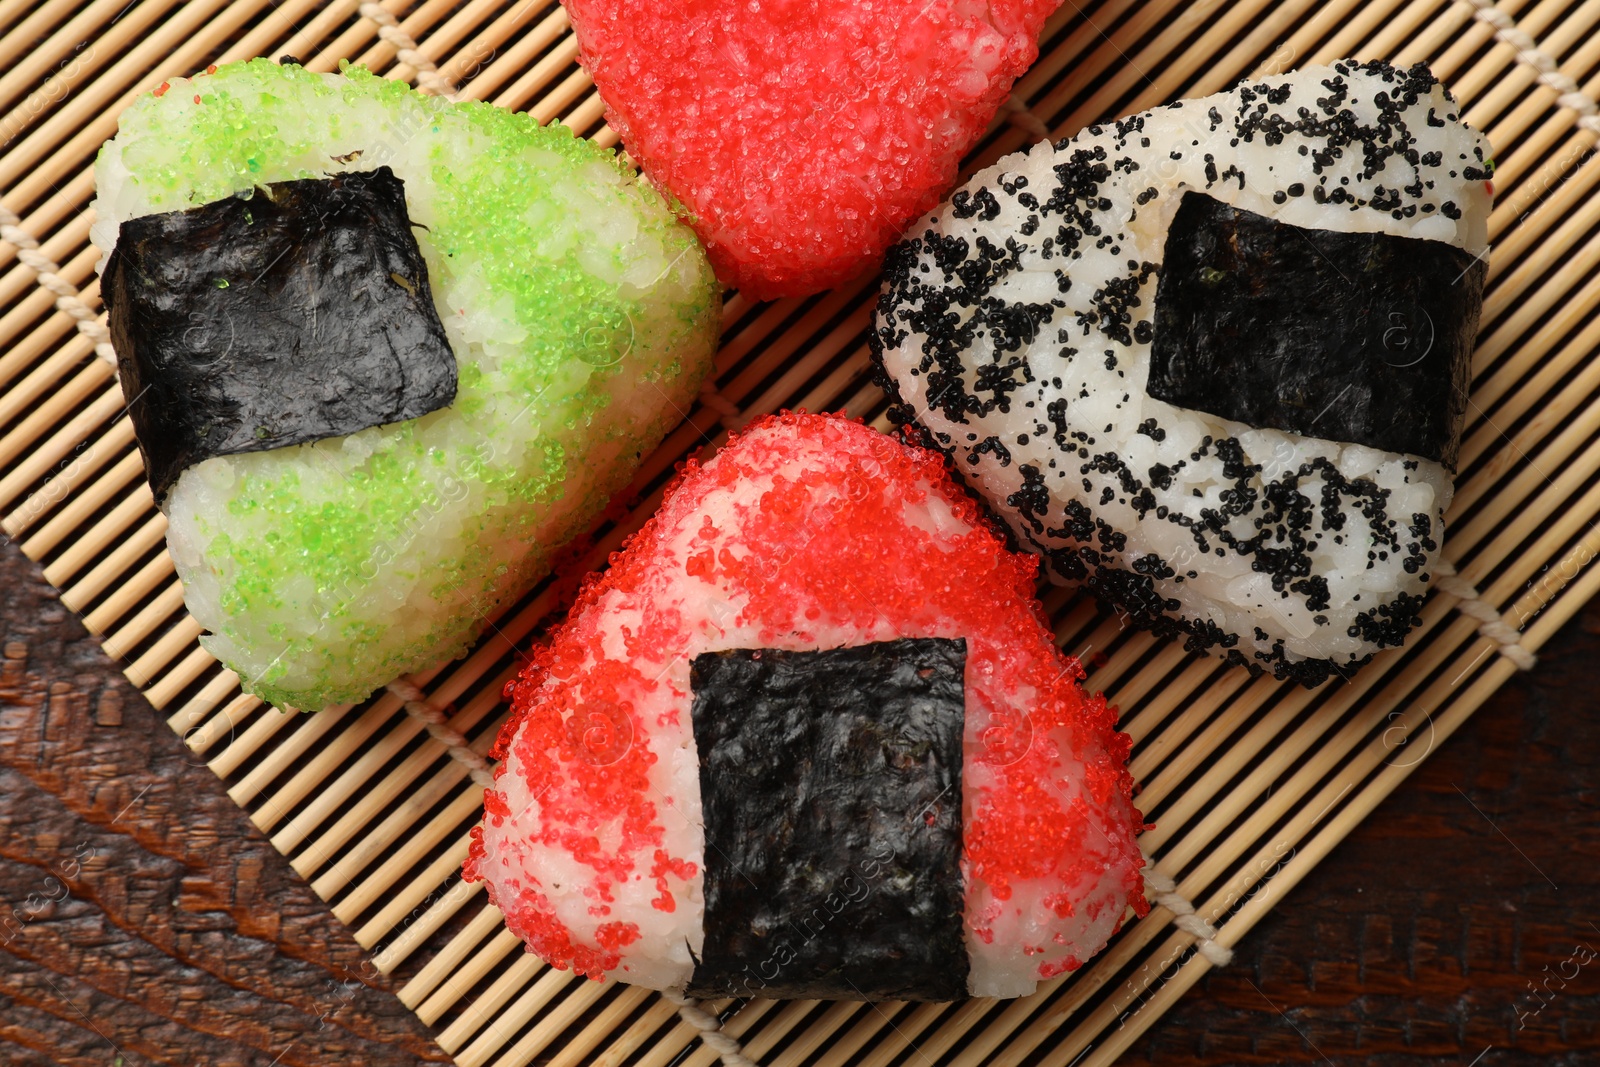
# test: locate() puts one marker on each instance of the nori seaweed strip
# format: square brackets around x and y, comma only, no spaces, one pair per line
[301,313]
[831,791]
[1363,338]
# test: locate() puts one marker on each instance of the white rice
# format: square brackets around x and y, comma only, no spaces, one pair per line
[1050,413]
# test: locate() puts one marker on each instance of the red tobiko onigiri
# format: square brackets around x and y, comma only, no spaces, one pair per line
[802,136]
[810,735]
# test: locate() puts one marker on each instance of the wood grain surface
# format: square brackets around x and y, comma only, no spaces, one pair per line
[143,918]
[142,915]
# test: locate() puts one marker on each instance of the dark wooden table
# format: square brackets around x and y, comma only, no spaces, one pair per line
[142,916]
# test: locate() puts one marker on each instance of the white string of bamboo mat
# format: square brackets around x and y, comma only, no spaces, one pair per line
[1018,114]
[1570,94]
[1507,638]
[709,1028]
[1164,892]
[728,412]
[429,78]
[48,274]
[437,721]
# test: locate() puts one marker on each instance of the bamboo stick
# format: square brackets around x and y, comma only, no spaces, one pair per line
[162,690]
[312,728]
[248,743]
[623,1044]
[581,1049]
[375,796]
[411,897]
[550,1025]
[380,884]
[87,386]
[487,1008]
[437,969]
[143,671]
[110,530]
[64,64]
[401,822]
[143,624]
[83,502]
[471,971]
[38,21]
[201,730]
[132,590]
[507,62]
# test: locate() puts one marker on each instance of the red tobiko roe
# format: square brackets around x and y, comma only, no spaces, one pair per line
[868,558]
[802,136]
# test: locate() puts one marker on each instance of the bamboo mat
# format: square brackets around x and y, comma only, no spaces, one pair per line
[1249,782]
